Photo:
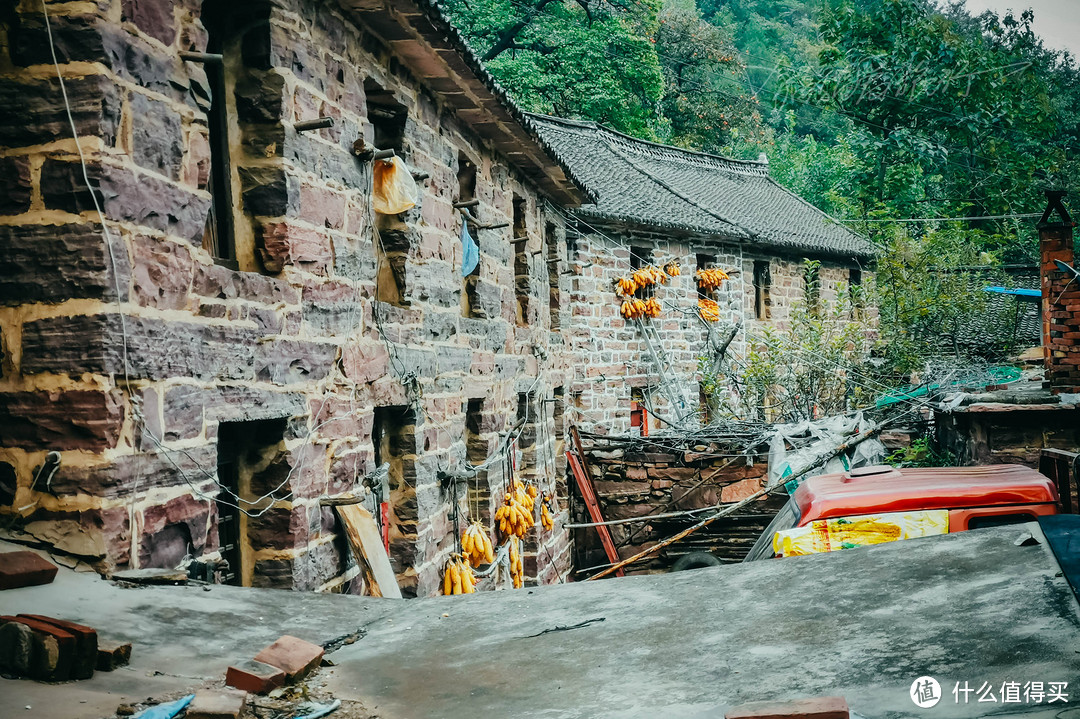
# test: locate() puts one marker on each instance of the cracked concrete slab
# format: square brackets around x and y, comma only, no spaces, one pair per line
[862,624]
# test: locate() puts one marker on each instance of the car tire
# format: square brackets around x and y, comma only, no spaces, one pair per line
[695,560]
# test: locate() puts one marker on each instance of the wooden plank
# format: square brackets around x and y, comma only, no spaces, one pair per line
[367,546]
[585,487]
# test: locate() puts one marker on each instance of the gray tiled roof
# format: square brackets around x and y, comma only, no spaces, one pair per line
[644,183]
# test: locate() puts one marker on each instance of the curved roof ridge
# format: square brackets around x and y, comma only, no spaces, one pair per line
[754,167]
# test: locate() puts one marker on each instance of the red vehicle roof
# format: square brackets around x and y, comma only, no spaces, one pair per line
[874,490]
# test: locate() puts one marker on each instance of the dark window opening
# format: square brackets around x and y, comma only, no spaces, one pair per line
[466,179]
[393,435]
[521,262]
[477,441]
[219,235]
[387,116]
[551,242]
[855,289]
[762,286]
[245,472]
[9,484]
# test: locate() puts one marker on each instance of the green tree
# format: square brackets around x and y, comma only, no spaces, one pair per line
[587,60]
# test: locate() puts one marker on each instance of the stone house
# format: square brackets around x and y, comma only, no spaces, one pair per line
[205,326]
[659,204]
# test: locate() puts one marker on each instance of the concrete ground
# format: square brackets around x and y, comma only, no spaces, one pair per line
[862,624]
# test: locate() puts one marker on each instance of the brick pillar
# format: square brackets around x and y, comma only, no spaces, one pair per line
[1060,298]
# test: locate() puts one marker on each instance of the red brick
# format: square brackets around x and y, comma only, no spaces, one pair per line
[293,656]
[25,569]
[254,676]
[816,708]
[112,655]
[86,644]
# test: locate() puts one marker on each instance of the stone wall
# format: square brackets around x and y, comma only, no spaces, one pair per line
[136,356]
[619,364]
[639,478]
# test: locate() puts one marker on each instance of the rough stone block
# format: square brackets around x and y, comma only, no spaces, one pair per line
[157,136]
[86,644]
[77,419]
[16,648]
[163,272]
[293,656]
[25,569]
[216,704]
[14,185]
[153,17]
[816,708]
[53,263]
[254,677]
[95,106]
[112,655]
[53,653]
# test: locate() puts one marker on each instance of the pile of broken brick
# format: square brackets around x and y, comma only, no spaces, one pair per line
[48,648]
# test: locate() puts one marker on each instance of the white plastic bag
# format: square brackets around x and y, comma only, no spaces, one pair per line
[395,188]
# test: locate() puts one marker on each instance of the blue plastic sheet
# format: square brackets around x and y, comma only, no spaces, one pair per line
[166,711]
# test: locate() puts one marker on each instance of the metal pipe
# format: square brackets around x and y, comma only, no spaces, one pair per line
[465,204]
[318,124]
[383,155]
[207,58]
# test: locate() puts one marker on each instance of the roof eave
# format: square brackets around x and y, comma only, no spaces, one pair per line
[437,55]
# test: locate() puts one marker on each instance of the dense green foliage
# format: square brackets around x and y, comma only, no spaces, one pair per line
[881,112]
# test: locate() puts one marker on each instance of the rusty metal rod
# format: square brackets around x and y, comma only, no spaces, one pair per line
[465,204]
[207,58]
[731,508]
[318,124]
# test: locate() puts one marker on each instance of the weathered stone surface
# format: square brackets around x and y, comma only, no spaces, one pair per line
[216,704]
[53,263]
[54,650]
[284,244]
[279,528]
[16,648]
[95,106]
[14,185]
[148,470]
[173,530]
[126,196]
[160,349]
[267,191]
[291,361]
[112,655]
[75,419]
[157,138]
[153,17]
[223,283]
[163,272]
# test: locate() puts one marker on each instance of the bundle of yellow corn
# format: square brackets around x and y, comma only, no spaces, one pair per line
[517,567]
[673,269]
[515,517]
[625,286]
[633,308]
[545,517]
[476,545]
[652,307]
[648,276]
[709,280]
[710,311]
[458,576]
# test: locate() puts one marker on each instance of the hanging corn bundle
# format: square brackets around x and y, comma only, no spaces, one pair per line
[476,545]
[710,279]
[708,309]
[458,576]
